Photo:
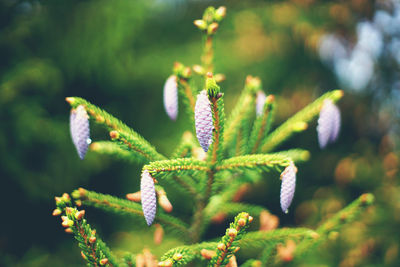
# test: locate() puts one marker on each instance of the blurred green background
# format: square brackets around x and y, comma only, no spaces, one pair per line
[117,54]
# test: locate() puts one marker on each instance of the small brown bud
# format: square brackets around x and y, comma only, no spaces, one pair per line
[140,260]
[92,239]
[93,232]
[186,72]
[207,254]
[58,200]
[270,99]
[57,212]
[114,134]
[100,119]
[79,215]
[232,262]
[201,24]
[241,222]
[250,219]
[78,203]
[219,77]
[68,230]
[70,100]
[66,197]
[67,223]
[198,69]
[232,232]
[218,218]
[64,218]
[83,255]
[220,13]
[212,28]
[69,210]
[103,261]
[168,263]
[221,246]
[177,256]
[164,203]
[134,196]
[158,234]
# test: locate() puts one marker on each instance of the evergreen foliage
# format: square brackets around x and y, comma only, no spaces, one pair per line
[240,149]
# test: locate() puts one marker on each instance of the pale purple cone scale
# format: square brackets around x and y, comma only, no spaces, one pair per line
[203,120]
[148,197]
[288,186]
[80,131]
[171,97]
[260,102]
[336,121]
[328,123]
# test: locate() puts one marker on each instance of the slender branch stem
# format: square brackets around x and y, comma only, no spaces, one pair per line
[208,54]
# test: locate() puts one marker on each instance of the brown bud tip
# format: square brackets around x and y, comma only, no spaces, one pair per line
[92,239]
[314,235]
[177,256]
[67,223]
[78,203]
[79,215]
[201,24]
[93,232]
[70,100]
[66,197]
[232,232]
[221,246]
[164,203]
[57,212]
[220,13]
[168,263]
[207,254]
[158,234]
[58,200]
[241,222]
[68,230]
[186,72]
[83,255]
[209,74]
[69,210]
[212,28]
[114,134]
[218,218]
[103,261]
[270,99]
[134,196]
[64,218]
[250,219]
[367,199]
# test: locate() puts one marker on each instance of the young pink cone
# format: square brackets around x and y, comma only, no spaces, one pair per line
[260,102]
[171,97]
[288,186]
[148,197]
[328,123]
[203,120]
[80,132]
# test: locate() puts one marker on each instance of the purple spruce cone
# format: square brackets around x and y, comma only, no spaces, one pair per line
[171,97]
[203,120]
[260,101]
[328,123]
[80,132]
[148,197]
[288,186]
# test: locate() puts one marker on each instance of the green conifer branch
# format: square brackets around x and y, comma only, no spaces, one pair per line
[121,131]
[229,243]
[113,149]
[182,166]
[296,154]
[242,111]
[257,161]
[305,115]
[261,239]
[126,207]
[186,254]
[345,216]
[94,250]
[262,126]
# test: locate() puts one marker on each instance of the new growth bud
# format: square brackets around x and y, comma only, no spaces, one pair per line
[203,120]
[201,24]
[288,186]
[328,123]
[212,28]
[134,196]
[233,232]
[148,197]
[171,97]
[79,128]
[220,13]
